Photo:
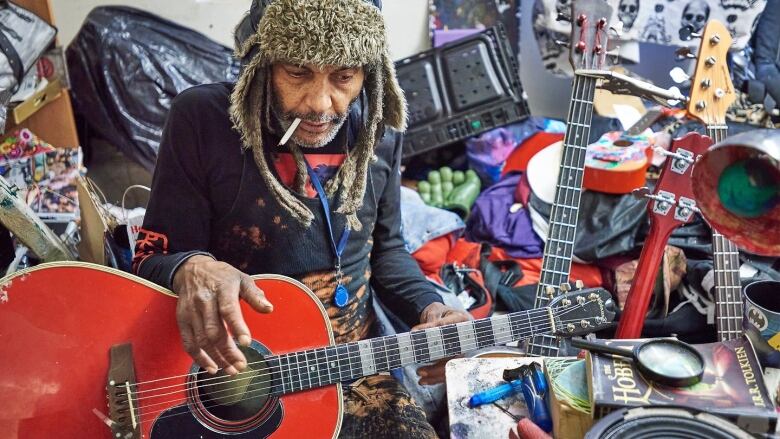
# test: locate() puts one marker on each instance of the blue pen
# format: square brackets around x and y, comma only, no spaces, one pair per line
[496,393]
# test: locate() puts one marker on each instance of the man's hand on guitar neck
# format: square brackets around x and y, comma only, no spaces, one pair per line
[437,314]
[209,293]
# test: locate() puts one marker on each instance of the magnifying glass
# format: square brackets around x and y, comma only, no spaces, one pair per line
[665,361]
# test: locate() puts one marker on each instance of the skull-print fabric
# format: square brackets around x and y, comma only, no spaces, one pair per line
[652,21]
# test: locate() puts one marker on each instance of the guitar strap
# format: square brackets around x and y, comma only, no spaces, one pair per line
[341,295]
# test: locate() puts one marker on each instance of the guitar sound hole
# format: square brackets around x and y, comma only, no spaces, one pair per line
[234,403]
[623,143]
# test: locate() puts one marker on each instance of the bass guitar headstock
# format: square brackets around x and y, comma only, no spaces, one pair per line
[672,202]
[589,33]
[582,311]
[712,92]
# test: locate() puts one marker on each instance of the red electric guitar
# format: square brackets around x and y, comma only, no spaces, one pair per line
[671,205]
[91,352]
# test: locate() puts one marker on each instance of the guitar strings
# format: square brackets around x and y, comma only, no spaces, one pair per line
[305,365]
[264,390]
[726,267]
[537,315]
[440,351]
[299,367]
[727,278]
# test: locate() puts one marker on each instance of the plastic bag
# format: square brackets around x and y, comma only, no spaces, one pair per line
[127,65]
[23,38]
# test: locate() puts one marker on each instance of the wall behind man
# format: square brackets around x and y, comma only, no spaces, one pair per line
[406,19]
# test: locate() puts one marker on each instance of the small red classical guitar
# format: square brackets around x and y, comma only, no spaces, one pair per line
[91,352]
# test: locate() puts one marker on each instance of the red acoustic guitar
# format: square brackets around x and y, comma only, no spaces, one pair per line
[90,352]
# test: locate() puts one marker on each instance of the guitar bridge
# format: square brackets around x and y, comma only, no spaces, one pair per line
[122,400]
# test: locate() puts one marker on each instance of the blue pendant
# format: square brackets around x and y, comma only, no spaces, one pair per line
[341,296]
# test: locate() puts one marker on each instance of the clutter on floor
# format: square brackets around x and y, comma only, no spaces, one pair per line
[618,270]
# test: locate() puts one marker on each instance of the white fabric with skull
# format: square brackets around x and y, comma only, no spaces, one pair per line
[653,21]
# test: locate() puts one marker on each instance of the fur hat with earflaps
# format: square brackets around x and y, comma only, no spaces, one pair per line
[344,33]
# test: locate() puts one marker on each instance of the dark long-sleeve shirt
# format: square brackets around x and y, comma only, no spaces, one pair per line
[767,48]
[208,196]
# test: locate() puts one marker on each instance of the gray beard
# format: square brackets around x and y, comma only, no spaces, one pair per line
[285,121]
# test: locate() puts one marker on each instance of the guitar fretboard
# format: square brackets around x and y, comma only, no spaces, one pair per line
[728,289]
[303,370]
[559,248]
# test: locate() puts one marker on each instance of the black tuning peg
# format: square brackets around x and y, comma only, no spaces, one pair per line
[687,33]
[684,53]
[562,16]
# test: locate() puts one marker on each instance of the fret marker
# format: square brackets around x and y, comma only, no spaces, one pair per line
[433,337]
[332,364]
[313,368]
[366,357]
[467,336]
[502,332]
[405,348]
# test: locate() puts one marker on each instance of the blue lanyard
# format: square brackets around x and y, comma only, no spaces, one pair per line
[341,294]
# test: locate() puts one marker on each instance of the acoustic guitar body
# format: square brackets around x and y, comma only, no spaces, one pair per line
[59,322]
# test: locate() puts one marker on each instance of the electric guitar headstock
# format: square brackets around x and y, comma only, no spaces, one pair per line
[712,92]
[672,202]
[582,311]
[589,34]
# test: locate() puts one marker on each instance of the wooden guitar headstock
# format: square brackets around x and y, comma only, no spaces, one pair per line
[711,89]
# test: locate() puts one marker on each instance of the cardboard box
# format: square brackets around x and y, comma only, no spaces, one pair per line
[38,100]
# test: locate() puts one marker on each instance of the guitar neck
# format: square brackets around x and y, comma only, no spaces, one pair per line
[640,293]
[728,289]
[323,366]
[558,251]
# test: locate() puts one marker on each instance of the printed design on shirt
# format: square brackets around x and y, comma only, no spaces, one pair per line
[325,166]
[147,244]
[241,243]
[353,321]
[379,407]
[277,220]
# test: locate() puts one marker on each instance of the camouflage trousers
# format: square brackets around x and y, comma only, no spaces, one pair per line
[379,407]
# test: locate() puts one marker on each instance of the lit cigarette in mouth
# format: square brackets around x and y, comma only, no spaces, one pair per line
[290,131]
